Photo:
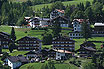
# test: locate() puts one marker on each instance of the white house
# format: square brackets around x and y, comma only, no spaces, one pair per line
[56,13]
[38,22]
[77,23]
[62,54]
[16,61]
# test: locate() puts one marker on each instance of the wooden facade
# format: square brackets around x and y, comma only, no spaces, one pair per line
[87,49]
[4,40]
[63,43]
[29,43]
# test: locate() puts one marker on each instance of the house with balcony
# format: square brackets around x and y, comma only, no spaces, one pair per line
[76,24]
[63,43]
[28,43]
[87,49]
[56,13]
[98,30]
[62,21]
[4,39]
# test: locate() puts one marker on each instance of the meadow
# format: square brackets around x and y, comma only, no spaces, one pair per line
[74,2]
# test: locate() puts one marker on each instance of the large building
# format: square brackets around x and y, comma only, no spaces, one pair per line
[4,40]
[98,30]
[28,43]
[63,43]
[56,13]
[38,22]
[87,49]
[77,23]
[62,21]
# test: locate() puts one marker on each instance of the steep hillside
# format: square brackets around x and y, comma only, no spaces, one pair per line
[74,2]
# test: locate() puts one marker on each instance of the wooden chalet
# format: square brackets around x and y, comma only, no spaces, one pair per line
[4,40]
[87,49]
[64,22]
[48,53]
[63,43]
[28,43]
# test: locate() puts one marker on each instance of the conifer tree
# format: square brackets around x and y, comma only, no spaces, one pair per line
[12,36]
[86,31]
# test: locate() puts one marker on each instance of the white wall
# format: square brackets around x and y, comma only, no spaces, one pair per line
[14,64]
[58,55]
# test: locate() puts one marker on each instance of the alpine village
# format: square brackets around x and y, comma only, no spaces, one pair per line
[51,34]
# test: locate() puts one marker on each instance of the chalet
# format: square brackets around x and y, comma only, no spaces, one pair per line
[32,54]
[48,53]
[56,13]
[87,49]
[43,22]
[77,28]
[34,22]
[4,40]
[63,43]
[16,61]
[62,54]
[98,30]
[38,22]
[28,43]
[27,19]
[63,22]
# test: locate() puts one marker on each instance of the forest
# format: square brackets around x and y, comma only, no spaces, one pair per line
[12,13]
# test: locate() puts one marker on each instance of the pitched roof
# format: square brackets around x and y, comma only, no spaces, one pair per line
[61,11]
[99,24]
[5,34]
[88,44]
[81,20]
[29,37]
[58,17]
[17,59]
[63,51]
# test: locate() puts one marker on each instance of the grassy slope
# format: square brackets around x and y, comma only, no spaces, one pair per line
[74,2]
[38,65]
[37,33]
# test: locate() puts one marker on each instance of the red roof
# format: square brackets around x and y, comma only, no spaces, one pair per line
[62,11]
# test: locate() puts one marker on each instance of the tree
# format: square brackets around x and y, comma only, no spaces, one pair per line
[47,38]
[89,14]
[12,36]
[5,55]
[11,47]
[86,31]
[89,65]
[57,5]
[87,4]
[56,28]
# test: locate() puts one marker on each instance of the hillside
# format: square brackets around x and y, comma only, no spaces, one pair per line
[74,2]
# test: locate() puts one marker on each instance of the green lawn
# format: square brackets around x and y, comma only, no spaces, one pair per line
[16,53]
[80,41]
[20,32]
[74,2]
[56,65]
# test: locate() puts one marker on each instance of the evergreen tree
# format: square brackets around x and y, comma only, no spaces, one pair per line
[11,47]
[89,14]
[87,4]
[86,31]
[47,38]
[12,36]
[56,28]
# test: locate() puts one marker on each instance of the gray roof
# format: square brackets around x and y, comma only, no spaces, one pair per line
[17,59]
